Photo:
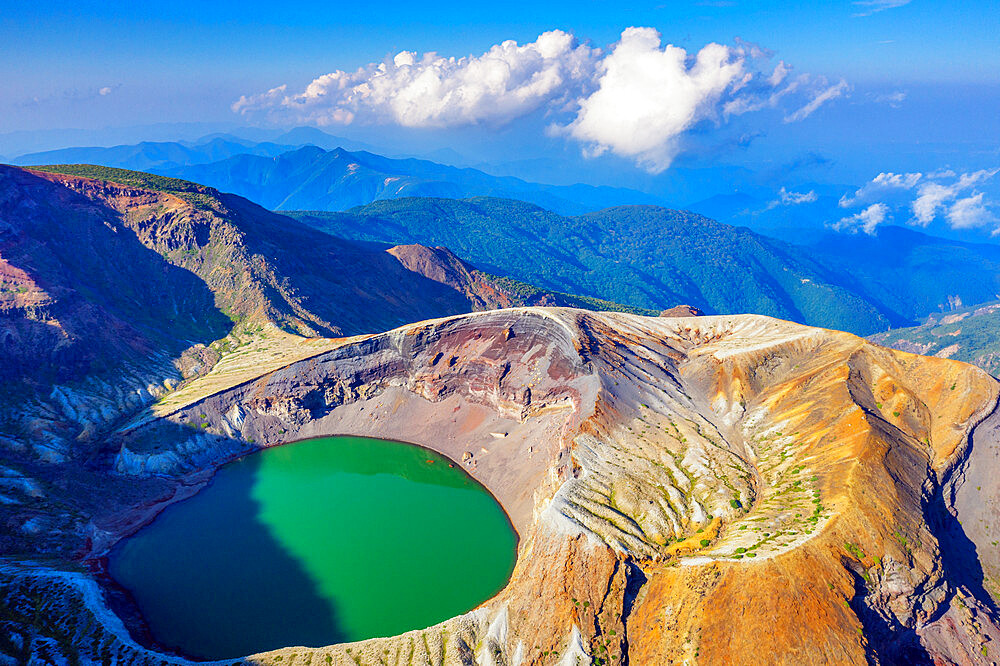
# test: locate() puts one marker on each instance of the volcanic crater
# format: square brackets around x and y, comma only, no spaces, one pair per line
[678,484]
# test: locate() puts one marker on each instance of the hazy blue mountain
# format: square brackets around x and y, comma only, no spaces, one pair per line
[765,213]
[310,136]
[644,256]
[149,156]
[913,272]
[316,179]
[648,257]
[14,144]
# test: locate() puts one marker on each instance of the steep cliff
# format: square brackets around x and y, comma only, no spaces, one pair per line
[115,286]
[726,489]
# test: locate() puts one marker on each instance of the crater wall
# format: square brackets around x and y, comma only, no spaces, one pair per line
[714,489]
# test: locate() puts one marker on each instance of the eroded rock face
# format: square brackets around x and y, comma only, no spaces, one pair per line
[682,311]
[726,489]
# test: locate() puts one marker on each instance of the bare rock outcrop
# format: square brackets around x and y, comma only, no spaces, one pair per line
[682,311]
[724,489]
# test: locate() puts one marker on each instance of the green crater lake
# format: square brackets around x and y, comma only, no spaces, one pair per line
[318,542]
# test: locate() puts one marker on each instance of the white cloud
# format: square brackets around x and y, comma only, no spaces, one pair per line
[867,220]
[506,82]
[105,91]
[929,199]
[894,99]
[969,213]
[647,96]
[795,198]
[787,198]
[781,70]
[942,193]
[932,197]
[879,185]
[870,7]
[769,97]
[818,100]
[635,100]
[812,92]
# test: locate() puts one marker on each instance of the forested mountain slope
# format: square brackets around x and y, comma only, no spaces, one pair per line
[645,256]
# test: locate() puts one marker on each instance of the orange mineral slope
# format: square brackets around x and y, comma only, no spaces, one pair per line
[716,490]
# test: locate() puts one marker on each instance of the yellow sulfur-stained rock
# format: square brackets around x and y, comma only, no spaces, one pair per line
[717,490]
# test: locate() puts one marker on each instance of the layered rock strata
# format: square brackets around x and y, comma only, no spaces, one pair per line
[724,489]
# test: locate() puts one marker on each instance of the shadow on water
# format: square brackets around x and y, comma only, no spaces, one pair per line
[323,541]
[222,586]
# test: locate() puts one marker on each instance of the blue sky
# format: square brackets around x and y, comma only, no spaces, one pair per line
[800,95]
[187,60]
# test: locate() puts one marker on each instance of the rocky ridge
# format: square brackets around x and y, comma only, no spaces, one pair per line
[682,488]
[966,334]
[118,286]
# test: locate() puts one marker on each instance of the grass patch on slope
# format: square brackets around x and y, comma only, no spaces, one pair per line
[193,193]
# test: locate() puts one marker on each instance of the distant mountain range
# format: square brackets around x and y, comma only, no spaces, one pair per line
[649,256]
[148,156]
[914,273]
[645,256]
[315,179]
[306,168]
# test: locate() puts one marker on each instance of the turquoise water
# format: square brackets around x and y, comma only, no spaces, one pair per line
[322,541]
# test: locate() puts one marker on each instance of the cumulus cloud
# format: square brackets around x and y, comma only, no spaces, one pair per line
[647,96]
[508,81]
[971,212]
[869,7]
[867,220]
[933,196]
[924,197]
[635,100]
[879,185]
